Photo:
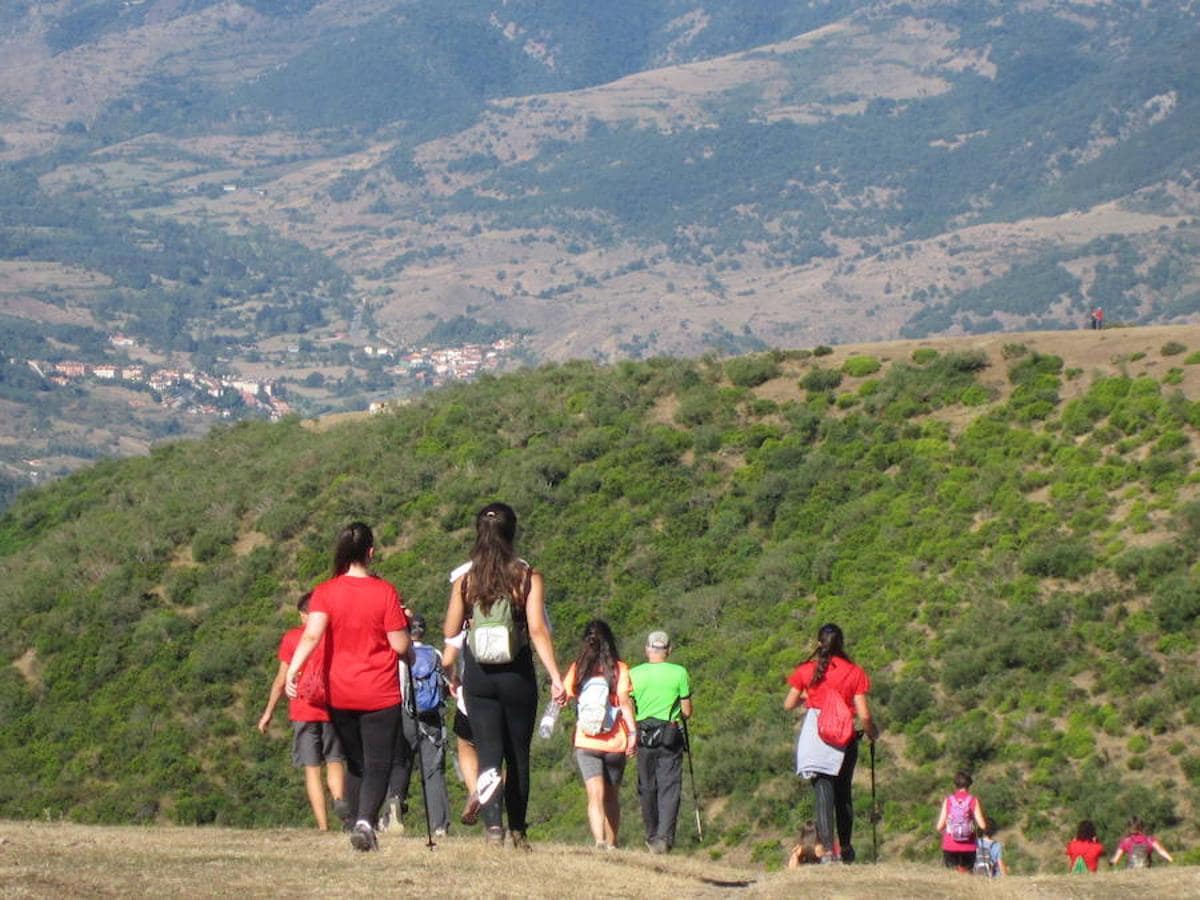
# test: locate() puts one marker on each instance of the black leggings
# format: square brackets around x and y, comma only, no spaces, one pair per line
[369,741]
[833,801]
[502,703]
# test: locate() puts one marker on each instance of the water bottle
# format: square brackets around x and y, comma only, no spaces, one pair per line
[549,718]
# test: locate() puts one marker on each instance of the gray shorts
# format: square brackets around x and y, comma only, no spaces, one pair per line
[314,743]
[594,763]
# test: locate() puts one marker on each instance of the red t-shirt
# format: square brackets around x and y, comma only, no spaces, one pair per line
[842,676]
[301,710]
[1089,851]
[362,665]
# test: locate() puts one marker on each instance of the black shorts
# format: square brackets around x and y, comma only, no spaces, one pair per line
[955,859]
[462,727]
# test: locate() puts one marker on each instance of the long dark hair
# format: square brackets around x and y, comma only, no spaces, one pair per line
[495,568]
[598,655]
[353,545]
[1087,831]
[830,643]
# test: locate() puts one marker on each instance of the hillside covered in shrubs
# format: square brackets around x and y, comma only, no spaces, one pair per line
[1008,538]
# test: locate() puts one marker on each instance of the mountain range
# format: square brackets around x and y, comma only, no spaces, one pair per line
[263,188]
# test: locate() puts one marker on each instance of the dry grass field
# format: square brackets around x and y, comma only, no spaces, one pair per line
[60,860]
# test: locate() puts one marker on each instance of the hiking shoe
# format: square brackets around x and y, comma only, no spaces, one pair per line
[847,854]
[485,787]
[657,846]
[470,813]
[363,838]
[494,835]
[440,832]
[521,842]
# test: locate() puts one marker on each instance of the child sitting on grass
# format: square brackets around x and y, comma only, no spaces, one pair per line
[808,849]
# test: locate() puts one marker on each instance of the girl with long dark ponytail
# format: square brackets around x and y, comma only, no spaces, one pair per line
[501,697]
[601,752]
[830,669]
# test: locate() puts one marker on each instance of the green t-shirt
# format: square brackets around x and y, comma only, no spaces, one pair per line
[657,689]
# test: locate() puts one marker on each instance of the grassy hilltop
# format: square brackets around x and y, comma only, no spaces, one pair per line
[1006,527]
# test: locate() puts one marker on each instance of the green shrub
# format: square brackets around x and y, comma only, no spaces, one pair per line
[822,350]
[1172,348]
[1014,351]
[1070,558]
[1192,358]
[819,380]
[861,366]
[751,371]
[923,355]
[1176,603]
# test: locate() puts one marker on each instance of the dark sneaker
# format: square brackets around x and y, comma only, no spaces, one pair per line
[847,854]
[657,846]
[363,838]
[521,842]
[470,813]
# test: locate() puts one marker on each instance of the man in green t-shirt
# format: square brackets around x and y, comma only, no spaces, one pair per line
[663,697]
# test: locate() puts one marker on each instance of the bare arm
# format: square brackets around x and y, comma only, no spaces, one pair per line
[455,612]
[685,707]
[313,630]
[400,642]
[273,699]
[539,633]
[864,715]
[630,717]
[941,822]
[980,818]
[1161,851]
[793,698]
[1116,857]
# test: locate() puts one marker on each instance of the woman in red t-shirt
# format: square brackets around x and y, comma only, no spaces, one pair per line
[830,669]
[1085,850]
[368,631]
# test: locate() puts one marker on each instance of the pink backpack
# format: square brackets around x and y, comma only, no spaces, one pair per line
[960,818]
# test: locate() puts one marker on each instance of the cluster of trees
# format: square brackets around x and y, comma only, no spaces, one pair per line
[1016,571]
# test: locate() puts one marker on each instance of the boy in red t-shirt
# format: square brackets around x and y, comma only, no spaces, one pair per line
[314,741]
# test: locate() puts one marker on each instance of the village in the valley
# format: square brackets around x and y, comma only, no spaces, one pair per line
[232,396]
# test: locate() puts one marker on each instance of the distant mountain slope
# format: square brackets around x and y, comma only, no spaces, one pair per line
[1007,527]
[226,180]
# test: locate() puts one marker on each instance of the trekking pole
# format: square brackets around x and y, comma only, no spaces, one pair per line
[687,746]
[411,703]
[874,811]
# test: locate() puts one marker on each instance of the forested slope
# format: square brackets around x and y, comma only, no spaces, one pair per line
[1007,537]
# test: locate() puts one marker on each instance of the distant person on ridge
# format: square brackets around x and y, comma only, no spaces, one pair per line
[662,695]
[368,633]
[422,737]
[834,689]
[314,742]
[1138,847]
[605,730]
[503,598]
[960,822]
[1083,853]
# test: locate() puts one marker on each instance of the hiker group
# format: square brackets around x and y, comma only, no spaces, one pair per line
[367,694]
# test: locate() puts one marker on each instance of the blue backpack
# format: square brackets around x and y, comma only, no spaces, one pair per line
[428,690]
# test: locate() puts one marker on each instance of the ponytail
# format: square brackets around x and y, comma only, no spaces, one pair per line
[353,545]
[598,655]
[830,643]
